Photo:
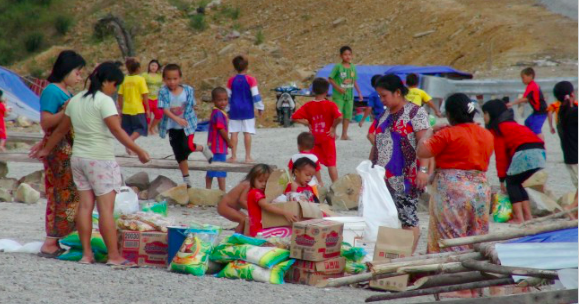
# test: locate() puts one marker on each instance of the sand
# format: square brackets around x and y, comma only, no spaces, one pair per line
[28,279]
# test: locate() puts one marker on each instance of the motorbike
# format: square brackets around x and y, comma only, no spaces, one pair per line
[286,103]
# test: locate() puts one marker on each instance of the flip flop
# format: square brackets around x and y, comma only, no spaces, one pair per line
[124,265]
[52,255]
[86,263]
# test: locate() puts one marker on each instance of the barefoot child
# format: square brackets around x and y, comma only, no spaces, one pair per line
[233,201]
[133,102]
[154,82]
[218,139]
[321,116]
[418,96]
[94,117]
[244,99]
[303,171]
[256,201]
[343,78]
[3,113]
[534,96]
[179,121]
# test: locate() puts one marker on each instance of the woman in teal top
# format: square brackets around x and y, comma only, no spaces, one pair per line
[61,194]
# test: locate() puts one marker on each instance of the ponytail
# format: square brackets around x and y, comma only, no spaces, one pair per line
[107,71]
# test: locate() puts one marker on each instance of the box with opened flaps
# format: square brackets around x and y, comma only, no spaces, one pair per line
[310,273]
[392,244]
[303,210]
[316,240]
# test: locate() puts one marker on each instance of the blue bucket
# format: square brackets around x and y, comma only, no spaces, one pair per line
[176,235]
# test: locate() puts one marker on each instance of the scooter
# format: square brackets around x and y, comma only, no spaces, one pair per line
[286,105]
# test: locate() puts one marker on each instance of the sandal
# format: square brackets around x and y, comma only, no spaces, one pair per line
[53,255]
[86,263]
[124,265]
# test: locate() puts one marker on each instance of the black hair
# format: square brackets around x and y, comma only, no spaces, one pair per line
[460,109]
[240,63]
[562,92]
[106,71]
[528,72]
[118,64]
[257,171]
[392,83]
[412,80]
[65,62]
[216,91]
[320,86]
[132,65]
[344,49]
[172,67]
[1,93]
[151,62]
[302,162]
[498,113]
[374,80]
[306,140]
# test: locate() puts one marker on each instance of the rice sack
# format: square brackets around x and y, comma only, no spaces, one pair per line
[251,272]
[96,242]
[266,257]
[193,257]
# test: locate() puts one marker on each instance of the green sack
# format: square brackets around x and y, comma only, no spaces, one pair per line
[251,272]
[96,242]
[155,207]
[353,254]
[240,239]
[75,255]
[266,257]
[193,256]
[355,268]
[432,120]
[502,209]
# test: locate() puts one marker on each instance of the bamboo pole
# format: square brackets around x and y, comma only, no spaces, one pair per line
[488,251]
[435,290]
[506,235]
[554,296]
[520,271]
[389,267]
[451,279]
[430,256]
[549,217]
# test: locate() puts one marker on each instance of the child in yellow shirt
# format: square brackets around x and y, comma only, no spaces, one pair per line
[418,96]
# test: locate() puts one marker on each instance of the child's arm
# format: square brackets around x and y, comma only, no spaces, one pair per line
[332,132]
[182,122]
[225,136]
[146,102]
[434,108]
[518,101]
[304,122]
[120,101]
[367,112]
[114,125]
[336,86]
[550,118]
[264,205]
[360,97]
[319,178]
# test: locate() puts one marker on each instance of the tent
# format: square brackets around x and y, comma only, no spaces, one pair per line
[20,98]
[365,73]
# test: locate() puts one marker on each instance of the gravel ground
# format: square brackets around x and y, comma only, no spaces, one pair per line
[29,279]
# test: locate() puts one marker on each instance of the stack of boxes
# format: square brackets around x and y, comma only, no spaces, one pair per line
[316,246]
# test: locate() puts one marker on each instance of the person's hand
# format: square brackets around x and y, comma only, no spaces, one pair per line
[182,122]
[320,183]
[438,114]
[292,218]
[196,107]
[439,127]
[332,132]
[33,152]
[143,156]
[361,123]
[360,98]
[421,180]
[39,154]
[259,112]
[63,108]
[509,105]
[553,130]
[503,188]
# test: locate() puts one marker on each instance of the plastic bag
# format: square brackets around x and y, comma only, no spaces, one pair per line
[193,257]
[126,202]
[355,268]
[376,204]
[251,272]
[502,209]
[353,254]
[143,222]
[266,257]
[96,242]
[155,207]
[7,245]
[75,254]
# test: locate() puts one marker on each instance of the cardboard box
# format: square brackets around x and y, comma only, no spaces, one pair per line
[316,240]
[276,184]
[310,273]
[391,244]
[145,248]
[303,210]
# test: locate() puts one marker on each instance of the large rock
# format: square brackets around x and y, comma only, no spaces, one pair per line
[205,197]
[26,194]
[23,122]
[3,169]
[176,195]
[5,195]
[159,185]
[139,180]
[537,181]
[345,192]
[8,184]
[144,195]
[35,180]
[541,203]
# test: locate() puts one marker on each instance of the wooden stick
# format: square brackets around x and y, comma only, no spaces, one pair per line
[438,268]
[554,296]
[430,256]
[520,271]
[435,290]
[499,236]
[451,279]
[488,251]
[549,217]
[25,137]
[389,267]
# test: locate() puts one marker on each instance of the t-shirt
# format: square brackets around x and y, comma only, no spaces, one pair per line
[177,107]
[376,104]
[93,138]
[254,210]
[464,147]
[321,115]
[215,141]
[345,78]
[2,124]
[306,191]
[508,141]
[568,134]
[53,98]
[132,89]
[536,99]
[417,96]
[306,154]
[154,83]
[243,97]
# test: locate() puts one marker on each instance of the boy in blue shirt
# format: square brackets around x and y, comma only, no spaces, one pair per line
[375,106]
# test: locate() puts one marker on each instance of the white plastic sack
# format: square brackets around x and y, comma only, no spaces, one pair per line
[7,245]
[126,202]
[376,204]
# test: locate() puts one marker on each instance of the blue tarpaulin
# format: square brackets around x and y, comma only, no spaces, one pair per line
[22,100]
[365,73]
[559,236]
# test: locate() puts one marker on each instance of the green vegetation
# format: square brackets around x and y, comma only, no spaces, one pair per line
[198,22]
[231,12]
[29,26]
[259,37]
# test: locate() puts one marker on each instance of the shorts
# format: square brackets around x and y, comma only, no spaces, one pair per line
[346,107]
[326,152]
[245,126]
[100,176]
[515,189]
[181,144]
[155,110]
[406,205]
[218,157]
[134,123]
[573,171]
[535,122]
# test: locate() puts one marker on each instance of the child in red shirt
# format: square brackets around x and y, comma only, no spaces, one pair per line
[256,199]
[3,112]
[534,96]
[322,116]
[303,172]
[218,140]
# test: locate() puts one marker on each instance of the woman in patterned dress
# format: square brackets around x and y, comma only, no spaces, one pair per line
[459,204]
[61,194]
[398,130]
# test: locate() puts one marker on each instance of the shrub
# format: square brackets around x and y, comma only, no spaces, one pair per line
[259,37]
[198,22]
[33,42]
[231,12]
[63,24]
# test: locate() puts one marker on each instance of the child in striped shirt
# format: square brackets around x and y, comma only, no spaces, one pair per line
[218,139]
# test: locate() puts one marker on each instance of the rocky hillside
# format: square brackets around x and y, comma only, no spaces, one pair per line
[290,40]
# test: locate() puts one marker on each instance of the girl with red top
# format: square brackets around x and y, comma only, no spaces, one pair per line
[3,112]
[519,154]
[303,171]
[256,199]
